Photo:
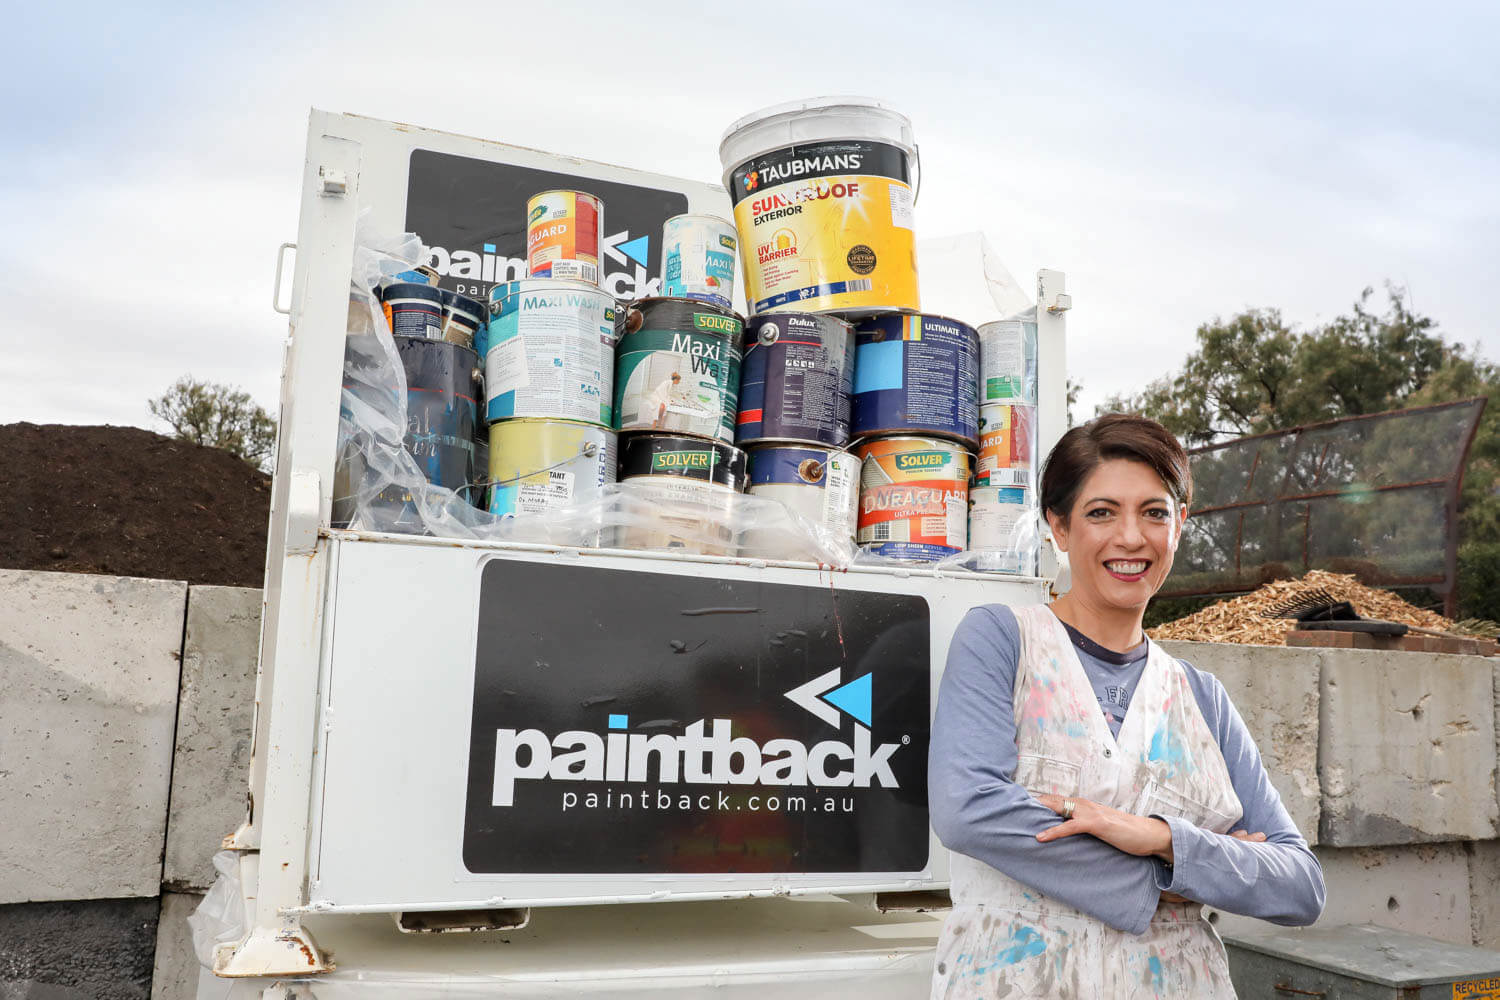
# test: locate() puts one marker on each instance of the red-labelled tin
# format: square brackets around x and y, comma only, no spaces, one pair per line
[562,235]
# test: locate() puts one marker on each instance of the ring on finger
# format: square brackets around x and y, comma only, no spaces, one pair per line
[1067,809]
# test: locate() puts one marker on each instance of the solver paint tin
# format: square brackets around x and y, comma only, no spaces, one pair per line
[690,485]
[796,380]
[1007,362]
[551,351]
[913,497]
[823,203]
[413,310]
[698,259]
[562,235]
[537,466]
[462,318]
[1006,437]
[916,374]
[678,368]
[820,485]
[1003,529]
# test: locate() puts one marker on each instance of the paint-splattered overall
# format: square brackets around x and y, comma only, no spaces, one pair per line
[1004,939]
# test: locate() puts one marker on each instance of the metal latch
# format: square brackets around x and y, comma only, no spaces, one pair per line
[335,183]
[1061,303]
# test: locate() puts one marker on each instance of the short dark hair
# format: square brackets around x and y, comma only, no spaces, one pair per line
[1114,435]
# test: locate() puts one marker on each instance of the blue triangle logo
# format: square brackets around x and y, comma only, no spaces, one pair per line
[853,698]
[638,249]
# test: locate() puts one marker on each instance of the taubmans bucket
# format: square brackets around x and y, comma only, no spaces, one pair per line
[562,235]
[690,484]
[819,484]
[913,498]
[916,374]
[413,310]
[1007,434]
[822,193]
[1003,529]
[551,351]
[796,380]
[537,466]
[1007,362]
[698,251]
[679,368]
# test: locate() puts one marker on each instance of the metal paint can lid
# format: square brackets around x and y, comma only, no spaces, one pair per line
[411,290]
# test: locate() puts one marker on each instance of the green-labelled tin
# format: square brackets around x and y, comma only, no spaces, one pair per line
[683,457]
[677,368]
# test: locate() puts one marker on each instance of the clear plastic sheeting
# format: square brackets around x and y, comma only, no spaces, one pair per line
[220,918]
[379,485]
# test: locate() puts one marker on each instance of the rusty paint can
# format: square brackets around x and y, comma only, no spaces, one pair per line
[797,379]
[821,485]
[562,235]
[913,497]
[678,368]
[916,374]
[1006,438]
[536,466]
[690,484]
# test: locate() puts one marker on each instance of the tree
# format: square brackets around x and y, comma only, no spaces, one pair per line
[219,416]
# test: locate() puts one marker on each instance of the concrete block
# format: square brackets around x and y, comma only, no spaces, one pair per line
[95,949]
[175,976]
[1420,889]
[87,708]
[215,717]
[1406,748]
[1484,892]
[1275,690]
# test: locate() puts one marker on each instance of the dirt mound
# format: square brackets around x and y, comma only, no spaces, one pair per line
[127,502]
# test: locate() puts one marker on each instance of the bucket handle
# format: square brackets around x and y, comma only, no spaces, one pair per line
[916,192]
[588,450]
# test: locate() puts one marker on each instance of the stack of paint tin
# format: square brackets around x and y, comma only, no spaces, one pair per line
[677,384]
[549,365]
[1003,509]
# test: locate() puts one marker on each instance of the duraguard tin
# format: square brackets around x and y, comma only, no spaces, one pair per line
[562,235]
[913,498]
[916,374]
[820,485]
[551,351]
[698,251]
[1007,434]
[797,380]
[678,368]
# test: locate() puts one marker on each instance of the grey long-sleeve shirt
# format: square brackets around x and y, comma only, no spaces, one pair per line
[978,810]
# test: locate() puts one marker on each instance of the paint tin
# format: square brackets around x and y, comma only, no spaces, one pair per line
[551,351]
[822,193]
[413,310]
[1003,529]
[1007,362]
[913,498]
[818,484]
[562,235]
[698,256]
[797,379]
[422,274]
[462,317]
[442,411]
[678,368]
[916,374]
[1006,440]
[690,484]
[539,465]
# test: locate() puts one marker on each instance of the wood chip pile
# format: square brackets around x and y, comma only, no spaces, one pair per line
[1239,619]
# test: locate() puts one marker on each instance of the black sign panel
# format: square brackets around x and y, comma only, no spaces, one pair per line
[632,722]
[472,214]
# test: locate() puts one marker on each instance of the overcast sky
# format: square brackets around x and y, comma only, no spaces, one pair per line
[1177,163]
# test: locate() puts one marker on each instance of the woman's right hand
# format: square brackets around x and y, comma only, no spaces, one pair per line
[1254,838]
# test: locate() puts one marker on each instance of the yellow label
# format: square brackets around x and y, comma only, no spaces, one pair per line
[1477,989]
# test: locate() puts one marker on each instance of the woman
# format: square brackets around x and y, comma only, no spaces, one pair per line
[1094,790]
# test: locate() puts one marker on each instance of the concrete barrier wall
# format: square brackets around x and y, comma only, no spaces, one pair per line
[126,709]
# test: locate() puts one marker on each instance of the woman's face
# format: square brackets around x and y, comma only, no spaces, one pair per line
[1120,534]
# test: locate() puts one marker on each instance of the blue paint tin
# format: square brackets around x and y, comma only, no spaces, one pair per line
[916,374]
[796,380]
[819,484]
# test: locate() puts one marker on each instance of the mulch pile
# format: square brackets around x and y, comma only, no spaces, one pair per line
[1240,619]
[127,502]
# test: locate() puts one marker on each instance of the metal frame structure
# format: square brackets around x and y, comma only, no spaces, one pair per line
[353,164]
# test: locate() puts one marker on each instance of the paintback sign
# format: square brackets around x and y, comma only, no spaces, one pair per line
[471,214]
[644,723]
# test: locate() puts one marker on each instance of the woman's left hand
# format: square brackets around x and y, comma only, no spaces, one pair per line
[1139,835]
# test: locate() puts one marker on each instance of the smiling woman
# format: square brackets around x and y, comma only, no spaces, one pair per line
[1096,792]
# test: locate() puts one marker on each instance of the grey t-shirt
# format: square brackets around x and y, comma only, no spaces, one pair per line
[978,810]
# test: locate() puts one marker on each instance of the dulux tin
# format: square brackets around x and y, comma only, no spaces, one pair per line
[796,380]
[1004,529]
[916,374]
[913,498]
[562,235]
[1006,446]
[820,485]
[1007,362]
[551,351]
[698,255]
[678,368]
[690,485]
[537,466]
